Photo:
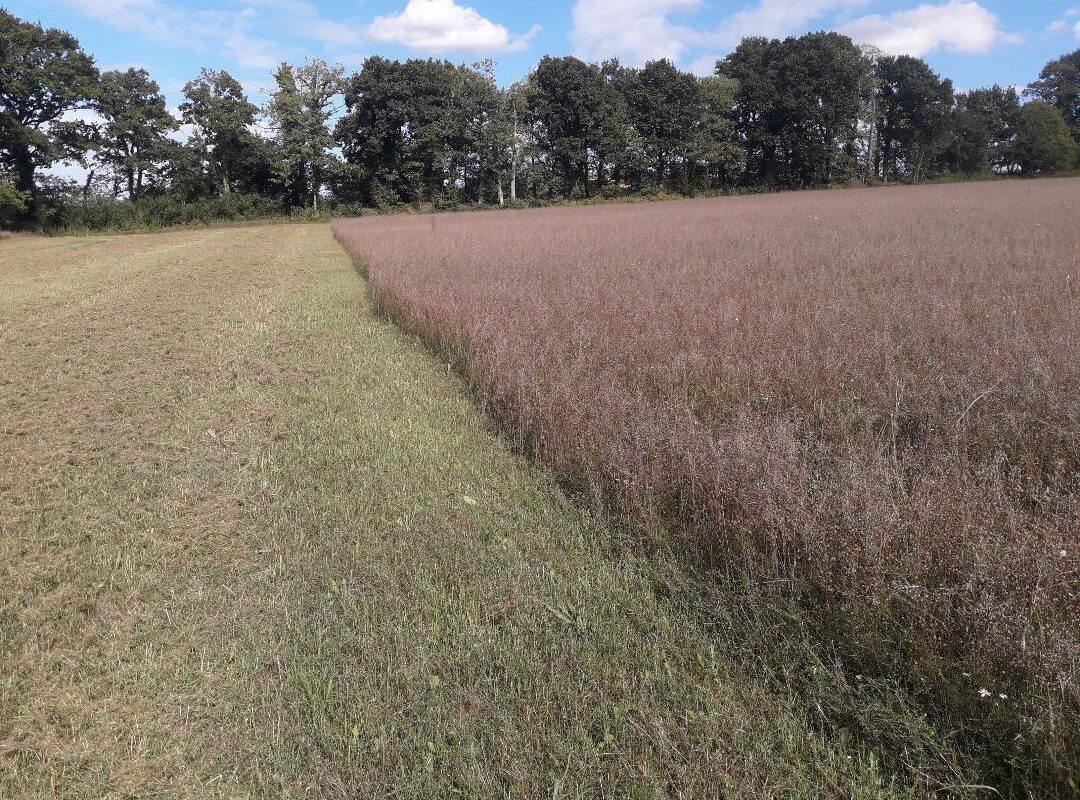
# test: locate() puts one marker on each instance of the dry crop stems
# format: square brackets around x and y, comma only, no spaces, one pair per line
[865,401]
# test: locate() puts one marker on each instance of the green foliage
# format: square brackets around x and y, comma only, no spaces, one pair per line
[44,74]
[221,115]
[134,141]
[1059,85]
[914,104]
[997,113]
[12,202]
[813,110]
[422,131]
[299,111]
[575,112]
[69,209]
[797,107]
[1043,142]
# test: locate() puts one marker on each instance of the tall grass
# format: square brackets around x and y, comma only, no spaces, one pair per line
[863,404]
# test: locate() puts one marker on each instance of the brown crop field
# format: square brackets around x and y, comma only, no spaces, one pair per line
[861,406]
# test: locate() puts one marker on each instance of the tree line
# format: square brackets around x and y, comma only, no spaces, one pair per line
[808,111]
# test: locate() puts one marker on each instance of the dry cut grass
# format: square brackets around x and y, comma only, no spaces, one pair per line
[862,404]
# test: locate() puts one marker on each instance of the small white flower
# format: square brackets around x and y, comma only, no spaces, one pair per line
[1003,696]
[1063,553]
[984,693]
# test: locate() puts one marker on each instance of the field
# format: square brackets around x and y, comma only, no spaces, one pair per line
[747,498]
[857,410]
[256,542]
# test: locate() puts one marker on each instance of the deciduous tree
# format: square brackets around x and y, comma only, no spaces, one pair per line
[1043,143]
[44,75]
[221,115]
[1059,85]
[135,126]
[914,104]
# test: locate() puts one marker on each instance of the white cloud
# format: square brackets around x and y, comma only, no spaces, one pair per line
[301,18]
[236,34]
[634,30]
[442,25]
[640,30]
[226,31]
[777,18]
[961,26]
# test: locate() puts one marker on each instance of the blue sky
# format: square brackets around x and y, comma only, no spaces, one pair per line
[975,42]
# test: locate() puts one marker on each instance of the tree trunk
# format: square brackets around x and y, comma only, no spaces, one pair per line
[871,147]
[514,158]
[24,170]
[499,182]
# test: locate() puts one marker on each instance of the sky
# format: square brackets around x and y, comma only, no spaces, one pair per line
[974,42]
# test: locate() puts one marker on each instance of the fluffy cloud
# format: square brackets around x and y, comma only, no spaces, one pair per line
[230,32]
[1059,25]
[777,18]
[635,30]
[640,30]
[962,26]
[440,26]
[227,31]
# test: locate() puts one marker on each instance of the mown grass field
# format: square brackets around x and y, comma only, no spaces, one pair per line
[256,542]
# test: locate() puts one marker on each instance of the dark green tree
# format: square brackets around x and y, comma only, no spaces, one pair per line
[1059,85]
[755,67]
[299,110]
[12,202]
[372,134]
[822,80]
[489,135]
[222,116]
[184,173]
[665,109]
[285,113]
[714,148]
[423,131]
[44,75]
[797,107]
[987,120]
[1043,142]
[966,146]
[136,125]
[578,119]
[914,104]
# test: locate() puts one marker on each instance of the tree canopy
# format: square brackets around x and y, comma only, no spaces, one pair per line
[44,75]
[804,111]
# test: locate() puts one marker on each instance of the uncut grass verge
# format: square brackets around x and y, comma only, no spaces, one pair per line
[857,409]
[256,542]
